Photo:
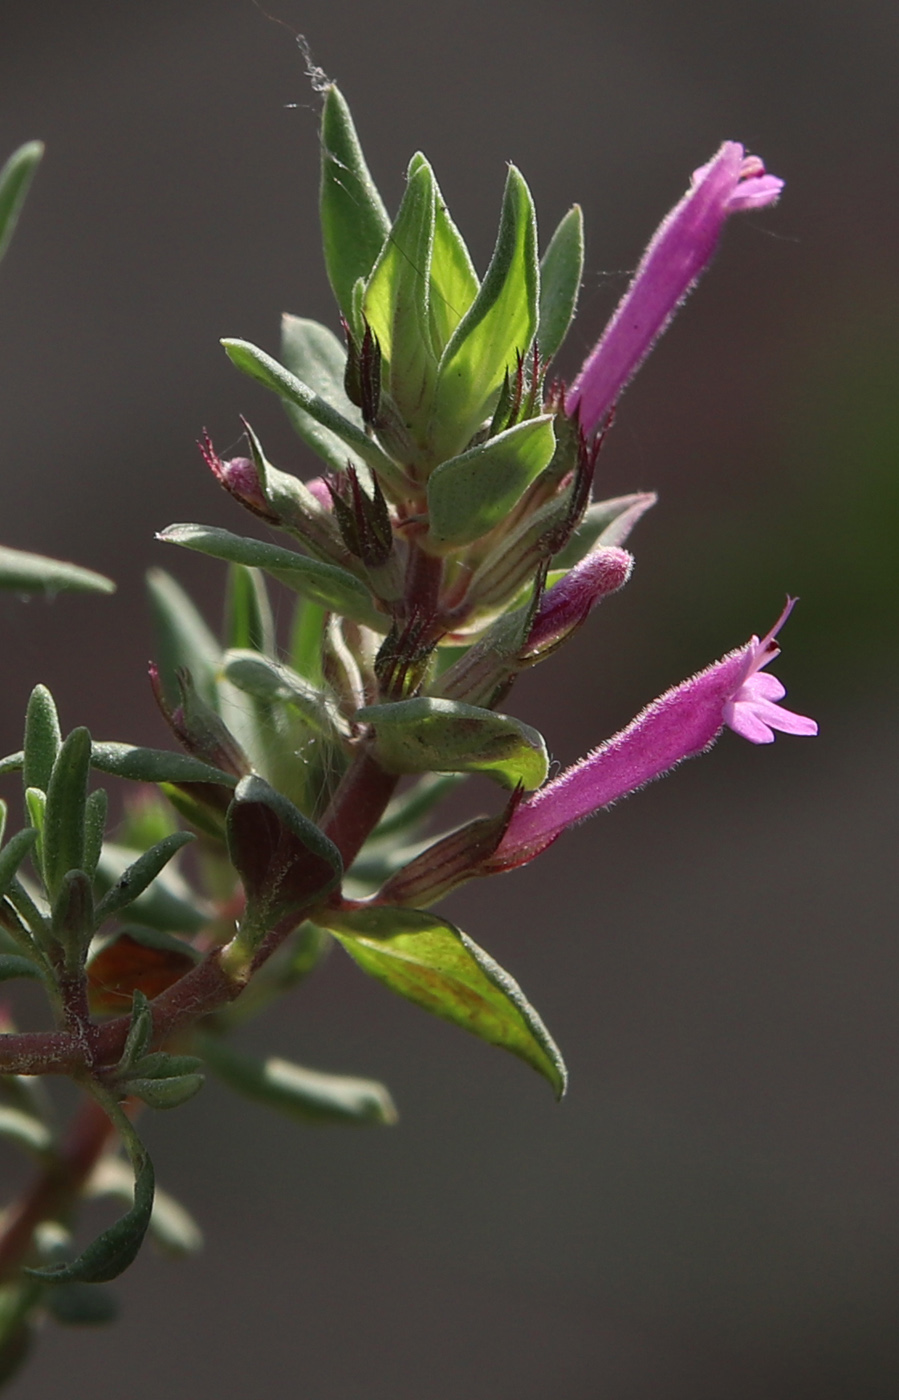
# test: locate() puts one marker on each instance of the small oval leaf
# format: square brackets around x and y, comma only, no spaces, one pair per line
[469,495]
[446,736]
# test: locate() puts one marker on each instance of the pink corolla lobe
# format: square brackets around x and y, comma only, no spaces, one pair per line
[682,723]
[680,250]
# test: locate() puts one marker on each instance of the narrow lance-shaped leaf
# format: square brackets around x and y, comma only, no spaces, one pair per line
[63,835]
[43,739]
[135,879]
[500,322]
[396,298]
[425,735]
[163,1081]
[12,855]
[248,613]
[144,765]
[317,358]
[116,1248]
[94,828]
[15,178]
[561,270]
[171,1227]
[261,367]
[35,573]
[183,638]
[471,494]
[323,583]
[166,901]
[454,282]
[307,1095]
[429,961]
[353,218]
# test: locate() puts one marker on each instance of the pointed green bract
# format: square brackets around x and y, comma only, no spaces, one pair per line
[429,961]
[15,178]
[454,282]
[317,358]
[396,299]
[35,573]
[327,584]
[353,218]
[472,493]
[444,736]
[500,322]
[561,270]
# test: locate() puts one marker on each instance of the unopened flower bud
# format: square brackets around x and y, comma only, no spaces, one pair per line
[566,605]
[240,478]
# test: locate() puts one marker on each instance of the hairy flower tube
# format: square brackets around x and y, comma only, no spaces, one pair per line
[680,250]
[683,722]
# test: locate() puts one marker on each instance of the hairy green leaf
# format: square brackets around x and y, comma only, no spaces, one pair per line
[134,880]
[317,358]
[561,270]
[63,834]
[470,494]
[353,218]
[323,583]
[35,573]
[305,1094]
[429,961]
[500,322]
[425,735]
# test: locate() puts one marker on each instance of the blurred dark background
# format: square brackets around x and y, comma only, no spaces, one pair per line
[713,1211]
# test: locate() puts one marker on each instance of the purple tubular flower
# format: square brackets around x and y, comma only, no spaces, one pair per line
[565,606]
[681,723]
[681,248]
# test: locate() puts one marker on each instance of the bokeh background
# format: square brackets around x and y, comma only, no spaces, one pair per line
[714,1209]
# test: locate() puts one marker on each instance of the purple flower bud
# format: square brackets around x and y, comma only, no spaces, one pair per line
[681,723]
[565,606]
[239,477]
[680,250]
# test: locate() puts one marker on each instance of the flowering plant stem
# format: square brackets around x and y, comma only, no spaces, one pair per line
[451,543]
